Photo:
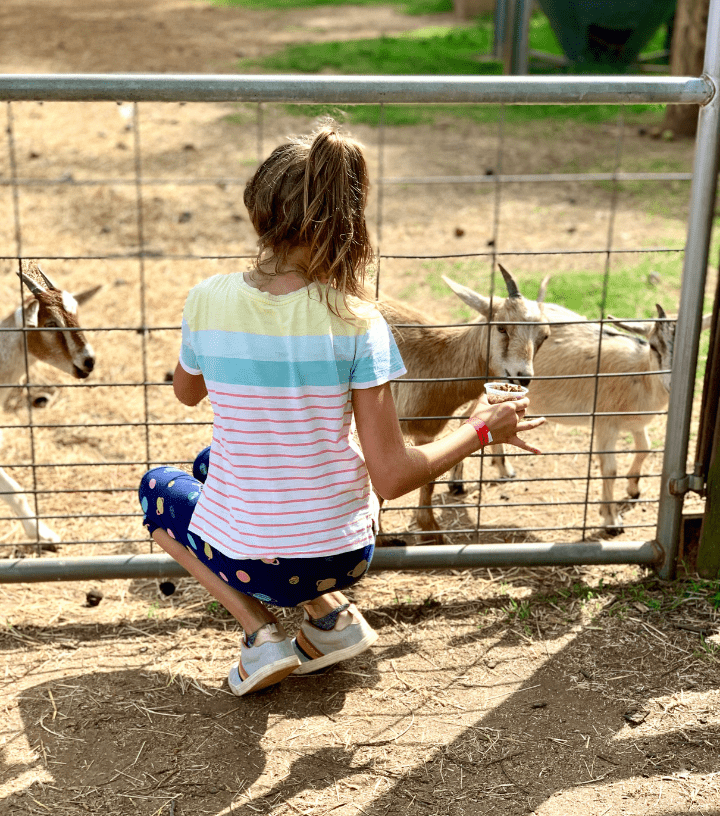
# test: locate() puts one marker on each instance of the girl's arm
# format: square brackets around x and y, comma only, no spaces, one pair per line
[188,388]
[396,469]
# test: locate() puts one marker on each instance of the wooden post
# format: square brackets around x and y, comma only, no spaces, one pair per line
[687,52]
[708,455]
[708,557]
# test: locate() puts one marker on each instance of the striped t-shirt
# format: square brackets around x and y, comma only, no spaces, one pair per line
[285,477]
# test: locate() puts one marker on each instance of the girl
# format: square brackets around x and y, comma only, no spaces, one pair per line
[288,353]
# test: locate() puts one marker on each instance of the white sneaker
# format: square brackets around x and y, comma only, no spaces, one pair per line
[318,648]
[267,661]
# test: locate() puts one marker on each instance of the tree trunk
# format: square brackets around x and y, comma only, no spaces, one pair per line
[687,53]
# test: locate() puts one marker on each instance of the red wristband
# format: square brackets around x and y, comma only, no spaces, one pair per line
[481,429]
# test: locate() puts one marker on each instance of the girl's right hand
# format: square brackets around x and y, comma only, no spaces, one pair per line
[505,421]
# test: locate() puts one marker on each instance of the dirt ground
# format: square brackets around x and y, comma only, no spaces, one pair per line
[516,691]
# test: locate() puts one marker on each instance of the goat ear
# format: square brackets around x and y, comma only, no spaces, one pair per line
[542,291]
[473,299]
[83,297]
[31,313]
[706,322]
[31,284]
[510,282]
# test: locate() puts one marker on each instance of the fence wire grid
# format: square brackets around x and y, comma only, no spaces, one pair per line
[146,198]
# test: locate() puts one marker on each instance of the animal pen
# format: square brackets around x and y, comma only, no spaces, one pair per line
[87,485]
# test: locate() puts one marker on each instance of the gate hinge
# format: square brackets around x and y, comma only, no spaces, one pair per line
[685,484]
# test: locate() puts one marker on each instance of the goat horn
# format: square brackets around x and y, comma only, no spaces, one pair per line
[31,284]
[512,287]
[542,291]
[660,311]
[45,278]
[643,329]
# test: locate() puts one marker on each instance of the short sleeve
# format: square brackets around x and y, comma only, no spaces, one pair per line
[188,360]
[377,358]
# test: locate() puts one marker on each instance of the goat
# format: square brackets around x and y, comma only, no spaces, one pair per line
[572,349]
[66,349]
[430,351]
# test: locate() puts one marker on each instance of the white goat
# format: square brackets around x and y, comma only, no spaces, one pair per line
[432,351]
[66,349]
[572,349]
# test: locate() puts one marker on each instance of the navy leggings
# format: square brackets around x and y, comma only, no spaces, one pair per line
[168,496]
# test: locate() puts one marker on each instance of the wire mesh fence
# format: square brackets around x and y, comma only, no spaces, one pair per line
[146,198]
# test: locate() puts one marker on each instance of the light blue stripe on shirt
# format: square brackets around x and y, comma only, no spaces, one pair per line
[269,347]
[272,374]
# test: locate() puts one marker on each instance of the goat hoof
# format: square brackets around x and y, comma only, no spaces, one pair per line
[49,546]
[612,532]
[390,542]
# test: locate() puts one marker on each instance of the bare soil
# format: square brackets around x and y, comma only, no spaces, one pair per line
[517,691]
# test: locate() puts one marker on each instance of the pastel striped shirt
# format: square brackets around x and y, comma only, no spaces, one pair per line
[285,477]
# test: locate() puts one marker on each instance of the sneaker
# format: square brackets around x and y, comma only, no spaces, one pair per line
[268,659]
[318,648]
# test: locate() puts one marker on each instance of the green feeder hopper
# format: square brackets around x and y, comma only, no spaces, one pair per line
[609,33]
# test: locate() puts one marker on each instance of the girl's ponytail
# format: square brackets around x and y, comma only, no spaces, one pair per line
[312,192]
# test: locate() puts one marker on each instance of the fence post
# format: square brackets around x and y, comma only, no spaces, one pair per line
[674,480]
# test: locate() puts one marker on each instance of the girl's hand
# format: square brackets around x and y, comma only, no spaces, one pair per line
[505,421]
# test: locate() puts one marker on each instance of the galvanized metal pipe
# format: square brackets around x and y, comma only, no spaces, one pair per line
[159,565]
[556,90]
[687,332]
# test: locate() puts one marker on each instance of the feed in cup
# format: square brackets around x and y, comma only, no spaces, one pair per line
[503,391]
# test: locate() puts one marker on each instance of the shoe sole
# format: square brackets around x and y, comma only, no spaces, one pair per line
[262,678]
[317,663]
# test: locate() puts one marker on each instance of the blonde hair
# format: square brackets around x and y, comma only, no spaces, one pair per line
[311,192]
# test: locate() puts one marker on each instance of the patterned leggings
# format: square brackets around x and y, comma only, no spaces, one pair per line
[168,496]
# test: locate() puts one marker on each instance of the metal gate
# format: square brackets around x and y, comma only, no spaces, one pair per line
[658,550]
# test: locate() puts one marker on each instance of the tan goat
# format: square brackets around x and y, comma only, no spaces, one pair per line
[47,307]
[465,355]
[572,349]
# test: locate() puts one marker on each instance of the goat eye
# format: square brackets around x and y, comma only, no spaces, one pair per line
[502,329]
[51,324]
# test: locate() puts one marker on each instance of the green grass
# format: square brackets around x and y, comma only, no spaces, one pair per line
[428,51]
[408,6]
[460,51]
[630,292]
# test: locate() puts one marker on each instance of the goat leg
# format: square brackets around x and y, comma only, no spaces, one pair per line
[642,445]
[605,442]
[456,485]
[13,495]
[425,518]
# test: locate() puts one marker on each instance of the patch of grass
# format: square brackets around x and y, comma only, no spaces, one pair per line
[217,610]
[630,290]
[462,51]
[453,51]
[518,609]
